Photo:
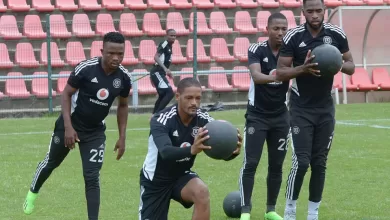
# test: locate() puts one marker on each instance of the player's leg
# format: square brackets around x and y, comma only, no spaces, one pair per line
[277,142]
[302,131]
[54,157]
[191,190]
[323,137]
[92,150]
[164,91]
[255,133]
[154,80]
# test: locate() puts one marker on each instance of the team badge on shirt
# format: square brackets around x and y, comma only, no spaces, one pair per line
[194,131]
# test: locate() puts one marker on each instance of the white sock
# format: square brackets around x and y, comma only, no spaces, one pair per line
[291,204]
[313,208]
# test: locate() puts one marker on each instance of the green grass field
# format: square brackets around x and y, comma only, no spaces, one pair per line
[357,184]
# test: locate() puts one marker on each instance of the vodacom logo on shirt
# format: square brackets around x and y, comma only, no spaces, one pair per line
[102,94]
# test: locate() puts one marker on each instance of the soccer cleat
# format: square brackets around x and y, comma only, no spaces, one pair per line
[289,214]
[272,216]
[28,205]
[245,216]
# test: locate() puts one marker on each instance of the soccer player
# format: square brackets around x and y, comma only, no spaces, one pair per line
[92,87]
[160,70]
[312,110]
[176,137]
[266,118]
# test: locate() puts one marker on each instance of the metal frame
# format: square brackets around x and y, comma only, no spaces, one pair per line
[368,25]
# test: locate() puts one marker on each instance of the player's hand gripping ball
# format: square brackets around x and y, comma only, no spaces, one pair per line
[329,59]
[223,139]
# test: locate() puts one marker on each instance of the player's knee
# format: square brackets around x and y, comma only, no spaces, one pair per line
[169,92]
[201,194]
[302,167]
[318,168]
[251,166]
[275,169]
[91,178]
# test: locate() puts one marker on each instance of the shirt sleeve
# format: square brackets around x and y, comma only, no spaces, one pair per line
[287,48]
[204,118]
[77,76]
[161,47]
[254,54]
[341,39]
[127,84]
[160,135]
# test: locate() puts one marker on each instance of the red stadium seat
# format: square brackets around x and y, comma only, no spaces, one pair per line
[81,26]
[3,8]
[24,55]
[56,60]
[74,53]
[241,81]
[18,5]
[218,82]
[2,95]
[58,27]
[243,23]
[61,82]
[39,86]
[145,86]
[5,61]
[191,75]
[136,4]
[362,81]
[96,47]
[225,3]
[354,2]
[268,3]
[112,5]
[104,24]
[128,25]
[66,5]
[89,5]
[290,3]
[180,4]
[146,51]
[32,27]
[333,3]
[338,82]
[9,28]
[42,5]
[218,23]
[246,4]
[203,4]
[219,51]
[158,4]
[240,48]
[201,53]
[175,21]
[374,2]
[262,20]
[290,18]
[177,55]
[16,88]
[129,58]
[203,28]
[151,25]
[381,77]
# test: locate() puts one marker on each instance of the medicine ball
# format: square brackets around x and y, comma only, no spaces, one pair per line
[223,139]
[232,204]
[329,59]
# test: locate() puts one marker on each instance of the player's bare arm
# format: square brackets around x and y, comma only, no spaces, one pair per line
[70,134]
[157,59]
[122,113]
[258,76]
[348,65]
[285,72]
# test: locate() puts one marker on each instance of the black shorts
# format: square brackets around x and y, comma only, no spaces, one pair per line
[159,80]
[156,197]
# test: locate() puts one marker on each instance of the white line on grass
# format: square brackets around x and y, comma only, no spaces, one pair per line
[346,123]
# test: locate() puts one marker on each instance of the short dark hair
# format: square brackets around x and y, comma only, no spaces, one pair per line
[114,37]
[304,2]
[187,82]
[169,30]
[274,16]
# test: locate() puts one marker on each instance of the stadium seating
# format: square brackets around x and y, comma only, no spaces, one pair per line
[219,51]
[224,3]
[177,55]
[3,8]
[201,53]
[290,18]
[290,3]
[56,60]
[66,5]
[333,3]
[39,86]
[262,20]
[74,53]
[218,23]
[61,82]
[16,88]
[104,24]
[202,28]
[96,46]
[18,5]
[240,48]
[338,82]
[218,81]
[81,26]
[180,4]
[24,56]
[151,25]
[246,4]
[129,58]
[136,4]
[89,5]
[58,27]
[362,81]
[113,5]
[268,3]
[128,25]
[203,4]
[243,23]
[5,61]
[381,78]
[144,84]
[158,4]
[32,27]
[175,21]
[9,28]
[42,5]
[147,50]
[241,81]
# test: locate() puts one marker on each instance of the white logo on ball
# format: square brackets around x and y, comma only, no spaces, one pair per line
[102,94]
[116,83]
